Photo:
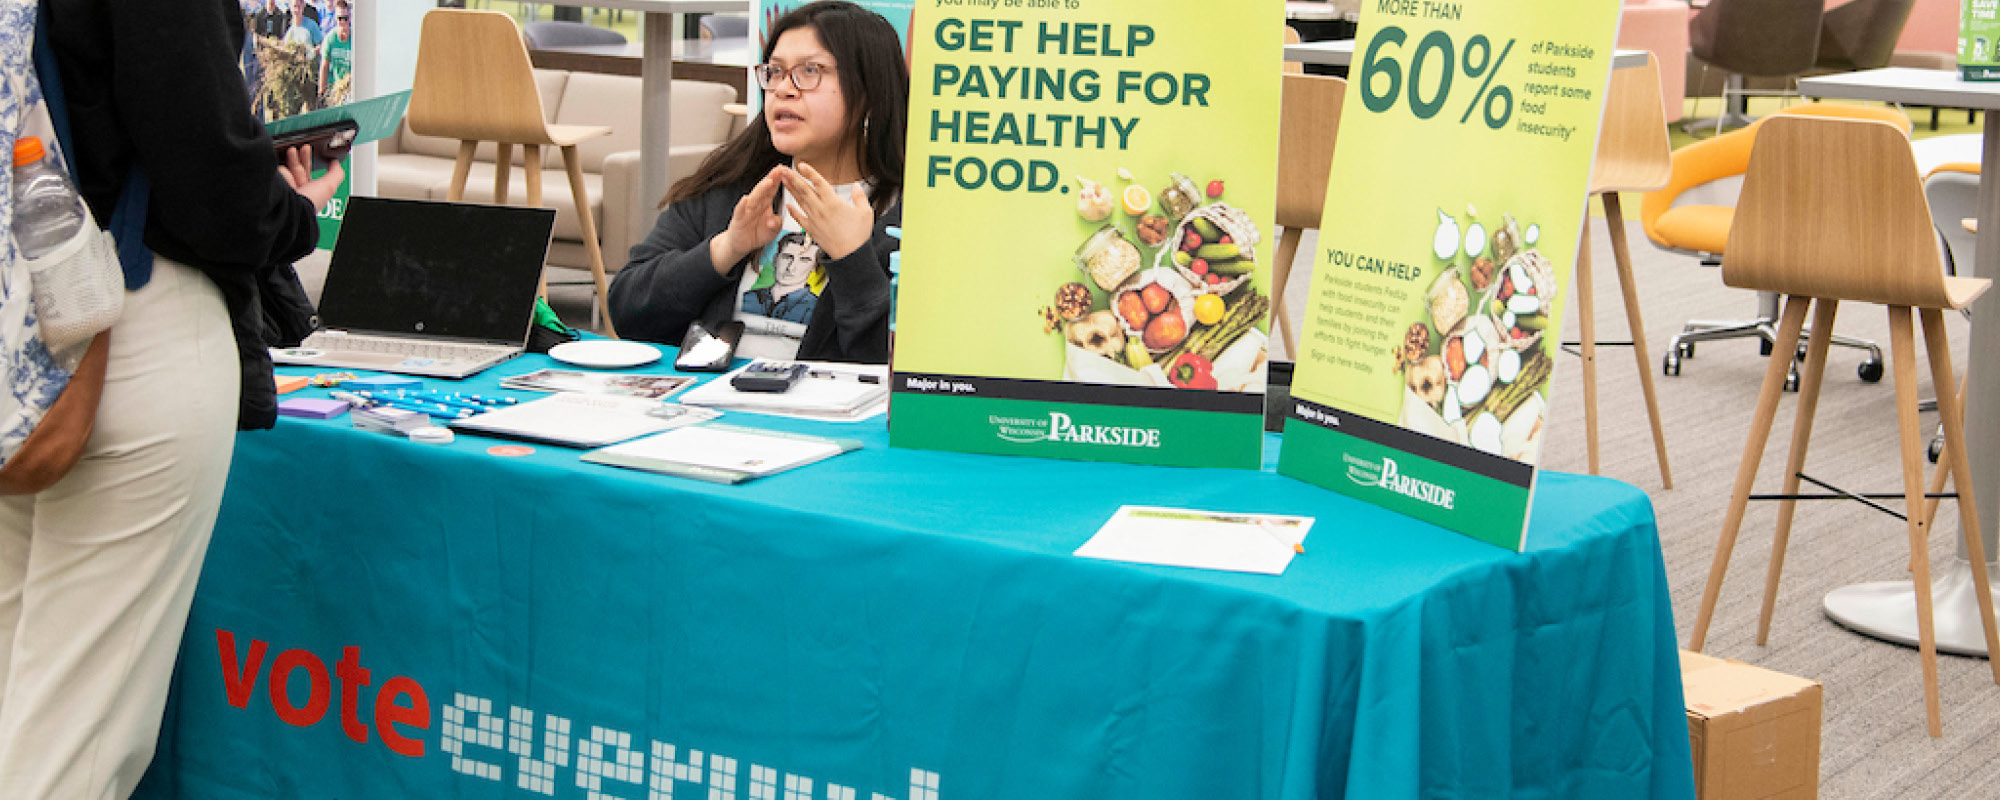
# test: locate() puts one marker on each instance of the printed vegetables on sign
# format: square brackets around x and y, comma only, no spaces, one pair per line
[1474,367]
[1192,321]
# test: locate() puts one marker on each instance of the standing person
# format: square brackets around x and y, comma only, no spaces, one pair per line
[270,21]
[305,28]
[97,572]
[825,159]
[336,54]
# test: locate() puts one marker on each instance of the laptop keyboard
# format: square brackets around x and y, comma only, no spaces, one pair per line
[408,348]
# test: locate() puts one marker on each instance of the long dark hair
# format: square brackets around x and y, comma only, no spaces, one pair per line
[874,80]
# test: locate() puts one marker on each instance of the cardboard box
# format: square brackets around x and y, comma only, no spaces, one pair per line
[1755,732]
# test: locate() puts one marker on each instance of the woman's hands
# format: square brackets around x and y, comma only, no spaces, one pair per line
[839,226]
[754,224]
[297,173]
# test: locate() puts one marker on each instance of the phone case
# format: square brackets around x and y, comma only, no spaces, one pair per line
[329,142]
[699,348]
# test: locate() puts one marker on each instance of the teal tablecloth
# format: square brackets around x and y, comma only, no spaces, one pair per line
[894,624]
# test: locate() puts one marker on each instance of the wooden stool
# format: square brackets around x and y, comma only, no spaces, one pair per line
[1309,117]
[1832,210]
[1632,156]
[474,84]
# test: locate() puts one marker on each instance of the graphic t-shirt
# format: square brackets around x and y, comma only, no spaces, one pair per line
[780,289]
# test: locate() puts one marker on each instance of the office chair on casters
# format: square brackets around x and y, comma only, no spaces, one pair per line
[474,83]
[1761,38]
[1692,215]
[1832,211]
[1861,34]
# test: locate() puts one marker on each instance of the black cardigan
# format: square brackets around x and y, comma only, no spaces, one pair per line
[163,90]
[670,281]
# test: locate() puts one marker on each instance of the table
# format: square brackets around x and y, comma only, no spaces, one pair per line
[1340,53]
[1887,609]
[656,73]
[901,623]
[714,60]
[1322,11]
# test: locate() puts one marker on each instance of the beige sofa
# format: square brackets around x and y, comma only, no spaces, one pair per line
[419,167]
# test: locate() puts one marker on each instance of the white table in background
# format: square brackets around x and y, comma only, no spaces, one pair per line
[660,28]
[1887,609]
[1340,53]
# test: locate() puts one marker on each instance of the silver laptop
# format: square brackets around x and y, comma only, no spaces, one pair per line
[437,289]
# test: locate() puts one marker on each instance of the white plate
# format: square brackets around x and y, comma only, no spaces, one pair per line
[604,354]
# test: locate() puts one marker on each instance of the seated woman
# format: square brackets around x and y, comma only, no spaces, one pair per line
[783,226]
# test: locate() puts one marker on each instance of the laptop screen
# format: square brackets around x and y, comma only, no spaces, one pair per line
[454,270]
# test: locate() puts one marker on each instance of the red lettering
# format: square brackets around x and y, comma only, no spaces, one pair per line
[416,710]
[238,682]
[352,677]
[321,690]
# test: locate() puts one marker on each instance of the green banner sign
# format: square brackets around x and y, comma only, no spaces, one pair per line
[1451,223]
[1087,229]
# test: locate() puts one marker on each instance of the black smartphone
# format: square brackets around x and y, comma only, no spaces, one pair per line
[703,350]
[329,142]
[768,376]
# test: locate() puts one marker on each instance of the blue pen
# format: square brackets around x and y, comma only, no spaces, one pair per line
[432,409]
[450,402]
[352,399]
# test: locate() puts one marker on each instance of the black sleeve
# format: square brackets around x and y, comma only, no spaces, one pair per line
[859,284]
[165,91]
[669,280]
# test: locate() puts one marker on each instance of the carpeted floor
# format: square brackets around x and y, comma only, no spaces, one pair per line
[1873,739]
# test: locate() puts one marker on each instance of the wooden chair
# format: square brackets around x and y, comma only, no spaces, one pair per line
[1832,210]
[1632,156]
[1309,118]
[1684,218]
[1293,67]
[474,84]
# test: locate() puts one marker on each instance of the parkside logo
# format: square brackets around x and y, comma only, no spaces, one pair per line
[1387,475]
[482,744]
[1060,427]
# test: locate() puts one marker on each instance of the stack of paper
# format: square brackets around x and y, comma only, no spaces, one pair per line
[828,392]
[615,383]
[582,420]
[720,453]
[1181,537]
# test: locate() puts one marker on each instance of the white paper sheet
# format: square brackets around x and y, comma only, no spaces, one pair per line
[727,448]
[1180,537]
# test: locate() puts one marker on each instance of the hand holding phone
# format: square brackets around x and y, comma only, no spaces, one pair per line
[329,142]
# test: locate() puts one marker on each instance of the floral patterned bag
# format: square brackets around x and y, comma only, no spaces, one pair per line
[47,412]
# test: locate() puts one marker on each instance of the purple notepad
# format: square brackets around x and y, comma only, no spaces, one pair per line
[312,408]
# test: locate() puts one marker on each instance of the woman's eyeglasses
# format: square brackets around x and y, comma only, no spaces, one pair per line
[805,77]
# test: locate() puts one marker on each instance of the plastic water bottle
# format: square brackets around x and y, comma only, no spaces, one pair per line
[46,210]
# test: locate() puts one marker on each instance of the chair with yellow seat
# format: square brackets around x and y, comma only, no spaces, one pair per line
[1833,211]
[1692,215]
[1632,156]
[474,83]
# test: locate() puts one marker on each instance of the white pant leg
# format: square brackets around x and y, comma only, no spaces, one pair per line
[97,572]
